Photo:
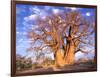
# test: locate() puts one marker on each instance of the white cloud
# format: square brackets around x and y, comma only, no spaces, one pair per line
[88,14]
[31,17]
[38,11]
[79,55]
[73,8]
[21,33]
[35,10]
[20,40]
[56,11]
[17,32]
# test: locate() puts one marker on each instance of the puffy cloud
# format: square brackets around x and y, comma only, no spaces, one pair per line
[17,32]
[88,14]
[78,55]
[31,17]
[55,11]
[20,40]
[72,8]
[35,10]
[21,33]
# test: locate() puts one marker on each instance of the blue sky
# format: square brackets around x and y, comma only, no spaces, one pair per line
[25,21]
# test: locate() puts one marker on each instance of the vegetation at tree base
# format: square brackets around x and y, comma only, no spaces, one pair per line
[22,63]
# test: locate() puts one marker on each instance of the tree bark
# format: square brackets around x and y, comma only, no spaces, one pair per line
[59,61]
[69,56]
[70,48]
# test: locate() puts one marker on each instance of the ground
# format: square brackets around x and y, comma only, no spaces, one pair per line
[78,67]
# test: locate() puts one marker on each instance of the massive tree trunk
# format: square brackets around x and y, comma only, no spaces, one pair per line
[59,61]
[69,56]
[70,48]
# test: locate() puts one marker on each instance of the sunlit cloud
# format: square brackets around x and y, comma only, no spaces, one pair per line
[21,33]
[20,40]
[88,14]
[31,17]
[55,11]
[35,10]
[17,32]
[39,12]
[78,55]
[73,8]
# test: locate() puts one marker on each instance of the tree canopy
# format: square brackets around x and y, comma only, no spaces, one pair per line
[70,32]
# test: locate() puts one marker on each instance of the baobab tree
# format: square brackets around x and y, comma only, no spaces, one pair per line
[64,34]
